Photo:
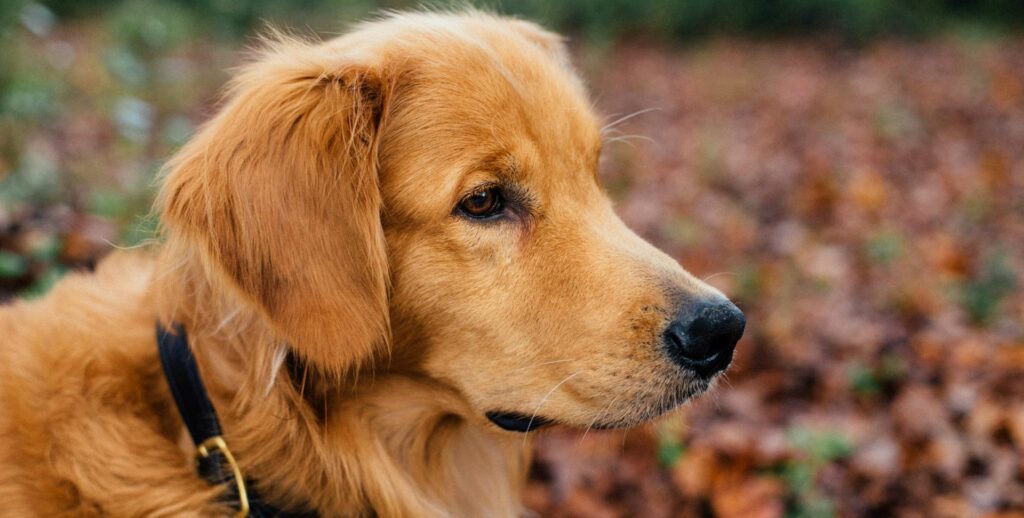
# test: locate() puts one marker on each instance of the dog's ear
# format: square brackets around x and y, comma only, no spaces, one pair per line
[279,193]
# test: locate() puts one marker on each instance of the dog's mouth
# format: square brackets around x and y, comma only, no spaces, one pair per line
[516,422]
[522,423]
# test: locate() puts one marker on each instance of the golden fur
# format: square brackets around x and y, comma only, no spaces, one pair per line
[352,330]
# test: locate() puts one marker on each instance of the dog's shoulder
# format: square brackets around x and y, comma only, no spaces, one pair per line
[86,407]
[82,312]
[76,365]
[89,326]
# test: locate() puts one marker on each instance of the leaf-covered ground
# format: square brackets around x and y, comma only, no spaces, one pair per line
[864,207]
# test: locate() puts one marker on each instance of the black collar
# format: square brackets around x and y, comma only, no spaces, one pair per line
[214,460]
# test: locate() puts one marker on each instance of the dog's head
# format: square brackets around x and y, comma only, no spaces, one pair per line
[421,195]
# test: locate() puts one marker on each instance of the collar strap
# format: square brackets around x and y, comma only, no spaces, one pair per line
[214,460]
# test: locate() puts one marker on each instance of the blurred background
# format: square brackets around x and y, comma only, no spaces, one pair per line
[850,171]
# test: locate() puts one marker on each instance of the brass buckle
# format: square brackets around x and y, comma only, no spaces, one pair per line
[217,443]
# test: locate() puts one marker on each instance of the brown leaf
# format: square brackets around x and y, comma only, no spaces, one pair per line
[758,497]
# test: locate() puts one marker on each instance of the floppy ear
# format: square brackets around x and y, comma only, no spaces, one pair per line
[279,192]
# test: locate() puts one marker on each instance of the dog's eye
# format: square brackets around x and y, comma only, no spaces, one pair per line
[483,203]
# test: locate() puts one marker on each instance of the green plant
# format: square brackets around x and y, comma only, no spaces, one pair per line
[12,265]
[670,444]
[815,450]
[981,295]
[884,247]
[870,380]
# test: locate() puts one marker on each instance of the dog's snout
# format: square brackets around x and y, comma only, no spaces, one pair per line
[703,336]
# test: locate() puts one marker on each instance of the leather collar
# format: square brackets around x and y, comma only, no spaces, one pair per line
[214,461]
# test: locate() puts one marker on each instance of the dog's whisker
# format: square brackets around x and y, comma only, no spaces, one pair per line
[553,362]
[724,378]
[625,118]
[597,416]
[600,414]
[662,399]
[626,139]
[544,400]
[712,276]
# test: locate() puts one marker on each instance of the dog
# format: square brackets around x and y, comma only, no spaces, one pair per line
[391,257]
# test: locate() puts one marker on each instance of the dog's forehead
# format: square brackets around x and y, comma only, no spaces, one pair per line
[482,89]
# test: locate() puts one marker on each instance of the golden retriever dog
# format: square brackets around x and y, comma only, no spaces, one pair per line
[391,257]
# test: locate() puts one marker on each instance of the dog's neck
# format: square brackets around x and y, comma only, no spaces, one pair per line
[377,442]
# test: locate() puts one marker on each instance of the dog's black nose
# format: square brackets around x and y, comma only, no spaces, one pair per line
[704,334]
